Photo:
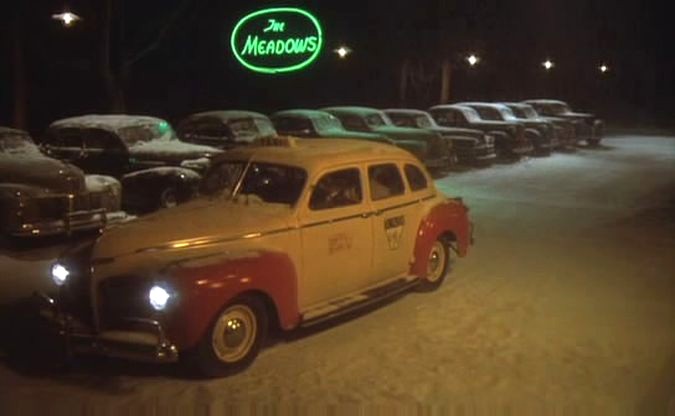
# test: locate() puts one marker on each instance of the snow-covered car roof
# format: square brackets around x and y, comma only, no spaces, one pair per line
[545,101]
[312,154]
[9,130]
[406,111]
[109,122]
[361,111]
[302,112]
[226,115]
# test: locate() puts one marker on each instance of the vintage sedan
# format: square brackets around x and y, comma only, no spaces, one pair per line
[564,133]
[286,235]
[588,127]
[427,146]
[510,140]
[225,129]
[318,124]
[157,170]
[43,196]
[469,146]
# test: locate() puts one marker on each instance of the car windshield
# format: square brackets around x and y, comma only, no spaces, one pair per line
[375,120]
[559,108]
[424,121]
[506,113]
[295,125]
[470,114]
[327,122]
[265,127]
[17,143]
[270,183]
[144,133]
[489,113]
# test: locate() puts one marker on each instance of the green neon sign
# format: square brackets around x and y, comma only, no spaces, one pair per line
[277,40]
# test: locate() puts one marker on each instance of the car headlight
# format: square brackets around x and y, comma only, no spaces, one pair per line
[60,274]
[158,297]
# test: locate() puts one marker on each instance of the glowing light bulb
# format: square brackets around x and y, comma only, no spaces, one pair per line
[472,59]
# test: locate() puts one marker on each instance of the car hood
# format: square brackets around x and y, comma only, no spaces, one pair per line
[410,133]
[171,150]
[42,172]
[198,223]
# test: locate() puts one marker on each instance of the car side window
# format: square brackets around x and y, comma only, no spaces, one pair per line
[337,189]
[66,138]
[416,179]
[95,139]
[385,181]
[403,121]
[353,123]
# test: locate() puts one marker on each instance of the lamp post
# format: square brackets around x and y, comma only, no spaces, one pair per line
[66,18]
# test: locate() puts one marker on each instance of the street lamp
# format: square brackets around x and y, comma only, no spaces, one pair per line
[343,51]
[472,60]
[548,64]
[66,18]
[603,68]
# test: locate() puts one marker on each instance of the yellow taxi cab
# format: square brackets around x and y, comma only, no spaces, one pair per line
[287,233]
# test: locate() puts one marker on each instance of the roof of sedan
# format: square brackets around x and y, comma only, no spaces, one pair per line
[301,112]
[405,111]
[363,111]
[10,130]
[451,106]
[106,121]
[315,153]
[480,104]
[226,115]
[544,101]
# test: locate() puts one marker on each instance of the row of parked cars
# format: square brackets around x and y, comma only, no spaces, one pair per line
[90,169]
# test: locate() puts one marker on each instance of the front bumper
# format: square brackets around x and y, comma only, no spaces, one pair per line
[72,222]
[140,340]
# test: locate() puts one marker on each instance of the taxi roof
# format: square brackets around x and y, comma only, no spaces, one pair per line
[314,154]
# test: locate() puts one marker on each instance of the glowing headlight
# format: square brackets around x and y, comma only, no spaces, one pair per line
[158,297]
[59,274]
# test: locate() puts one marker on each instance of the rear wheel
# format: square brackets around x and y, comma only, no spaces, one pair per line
[168,198]
[234,339]
[438,263]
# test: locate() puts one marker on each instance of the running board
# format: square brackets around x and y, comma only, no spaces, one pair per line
[330,310]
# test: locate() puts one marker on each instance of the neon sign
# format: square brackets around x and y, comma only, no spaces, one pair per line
[276,40]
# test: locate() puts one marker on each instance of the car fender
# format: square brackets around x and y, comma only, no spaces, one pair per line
[206,284]
[447,217]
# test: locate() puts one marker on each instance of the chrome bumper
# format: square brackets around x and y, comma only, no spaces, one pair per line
[148,344]
[73,221]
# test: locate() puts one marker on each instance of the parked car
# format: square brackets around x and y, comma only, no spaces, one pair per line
[43,196]
[156,169]
[588,127]
[467,145]
[318,124]
[225,129]
[563,129]
[510,140]
[284,236]
[538,135]
[427,146]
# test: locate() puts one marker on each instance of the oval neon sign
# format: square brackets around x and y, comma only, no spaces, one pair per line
[276,40]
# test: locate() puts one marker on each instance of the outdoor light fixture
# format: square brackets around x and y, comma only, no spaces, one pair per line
[66,18]
[548,64]
[472,60]
[60,274]
[603,68]
[343,51]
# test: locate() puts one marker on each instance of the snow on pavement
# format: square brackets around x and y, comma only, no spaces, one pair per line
[565,303]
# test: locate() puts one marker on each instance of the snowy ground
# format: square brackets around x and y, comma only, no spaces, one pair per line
[565,305]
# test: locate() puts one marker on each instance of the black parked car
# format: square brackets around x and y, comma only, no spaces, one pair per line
[563,128]
[42,196]
[509,136]
[587,126]
[225,129]
[156,169]
[467,145]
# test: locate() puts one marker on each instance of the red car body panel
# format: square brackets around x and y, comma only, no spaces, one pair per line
[205,290]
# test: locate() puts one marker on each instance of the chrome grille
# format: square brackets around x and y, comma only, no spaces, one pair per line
[123,297]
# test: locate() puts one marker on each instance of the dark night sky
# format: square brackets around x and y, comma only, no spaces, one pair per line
[193,69]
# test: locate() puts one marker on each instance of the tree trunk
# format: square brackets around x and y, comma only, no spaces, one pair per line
[446,69]
[19,87]
[112,80]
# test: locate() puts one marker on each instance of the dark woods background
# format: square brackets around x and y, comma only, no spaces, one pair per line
[171,57]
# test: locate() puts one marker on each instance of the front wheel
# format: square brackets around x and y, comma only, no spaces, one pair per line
[234,339]
[438,263]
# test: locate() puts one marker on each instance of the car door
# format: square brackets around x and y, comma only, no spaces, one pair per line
[336,235]
[395,221]
[103,153]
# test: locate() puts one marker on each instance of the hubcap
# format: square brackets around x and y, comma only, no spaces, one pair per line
[169,198]
[436,262]
[234,333]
